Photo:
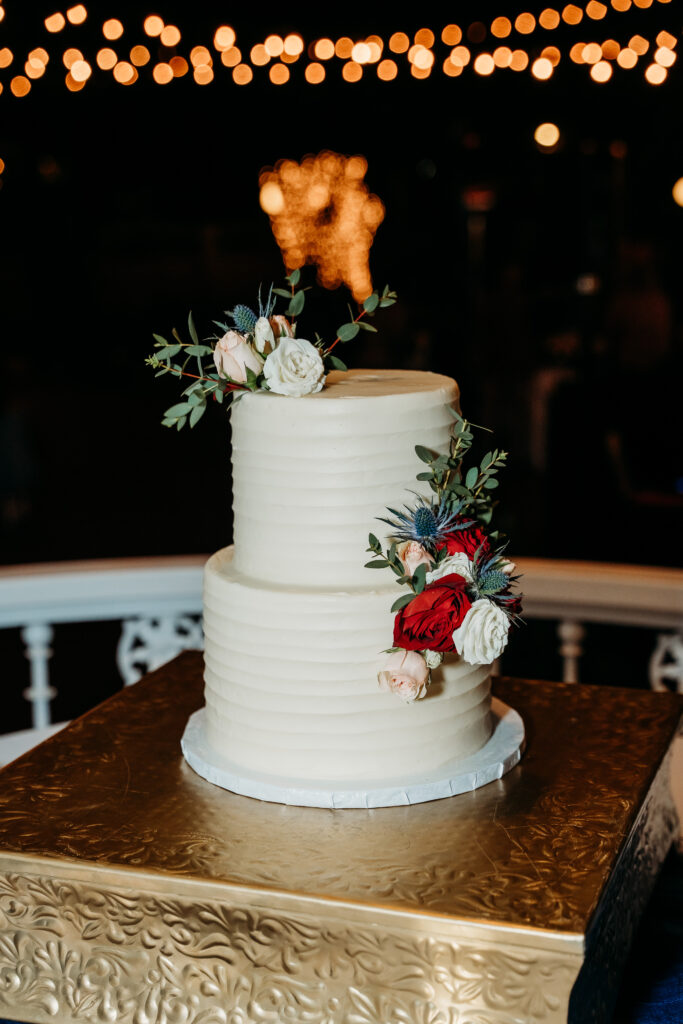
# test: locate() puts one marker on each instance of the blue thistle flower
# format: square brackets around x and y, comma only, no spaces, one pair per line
[493,582]
[426,524]
[266,310]
[244,319]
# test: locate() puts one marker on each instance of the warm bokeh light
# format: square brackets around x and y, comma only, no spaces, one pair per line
[621,5]
[224,37]
[112,29]
[676,191]
[106,59]
[70,56]
[170,35]
[77,15]
[501,27]
[417,72]
[55,22]
[387,70]
[162,73]
[2,166]
[80,71]
[655,74]
[610,49]
[200,55]
[178,66]
[547,135]
[664,56]
[592,53]
[203,74]
[352,72]
[451,69]
[549,18]
[666,39]
[576,53]
[460,56]
[484,64]
[519,60]
[154,26]
[2,13]
[451,35]
[323,49]
[502,56]
[361,53]
[601,72]
[321,213]
[596,10]
[71,83]
[572,14]
[242,74]
[376,45]
[279,74]
[6,57]
[343,47]
[259,56]
[639,44]
[525,23]
[420,57]
[39,54]
[542,69]
[293,45]
[399,42]
[552,54]
[627,58]
[21,86]
[124,73]
[424,37]
[231,58]
[646,3]
[34,69]
[139,56]
[618,149]
[315,73]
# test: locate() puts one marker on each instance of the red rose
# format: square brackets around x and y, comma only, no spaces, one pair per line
[427,623]
[467,540]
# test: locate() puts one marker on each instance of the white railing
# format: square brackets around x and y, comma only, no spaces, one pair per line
[158,601]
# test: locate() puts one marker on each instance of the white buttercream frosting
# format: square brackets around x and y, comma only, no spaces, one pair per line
[295,626]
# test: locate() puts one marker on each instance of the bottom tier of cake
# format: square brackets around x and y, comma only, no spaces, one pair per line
[291,686]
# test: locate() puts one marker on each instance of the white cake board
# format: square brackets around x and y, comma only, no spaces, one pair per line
[501,753]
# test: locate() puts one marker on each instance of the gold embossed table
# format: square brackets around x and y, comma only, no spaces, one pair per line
[131,890]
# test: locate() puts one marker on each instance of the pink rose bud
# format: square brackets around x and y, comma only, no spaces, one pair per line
[405,674]
[413,554]
[281,326]
[233,355]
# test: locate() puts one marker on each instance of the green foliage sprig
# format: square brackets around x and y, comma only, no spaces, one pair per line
[389,559]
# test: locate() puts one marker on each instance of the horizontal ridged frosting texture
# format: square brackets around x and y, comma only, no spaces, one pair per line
[310,475]
[291,685]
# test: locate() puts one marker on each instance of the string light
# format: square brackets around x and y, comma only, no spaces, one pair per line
[55,22]
[106,59]
[601,72]
[501,27]
[542,69]
[547,135]
[154,26]
[655,74]
[549,18]
[676,191]
[627,58]
[6,57]
[279,74]
[77,15]
[484,64]
[315,73]
[323,49]
[424,37]
[21,86]
[112,29]
[242,74]
[80,71]
[162,73]
[224,37]
[231,58]
[451,35]
[398,43]
[178,66]
[170,35]
[352,72]
[387,70]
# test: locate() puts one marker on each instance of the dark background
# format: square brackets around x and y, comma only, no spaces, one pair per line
[558,310]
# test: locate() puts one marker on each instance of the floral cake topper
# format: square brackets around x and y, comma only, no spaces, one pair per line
[460,584]
[256,352]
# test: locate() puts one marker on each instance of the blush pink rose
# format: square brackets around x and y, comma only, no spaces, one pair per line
[281,326]
[412,554]
[405,674]
[233,355]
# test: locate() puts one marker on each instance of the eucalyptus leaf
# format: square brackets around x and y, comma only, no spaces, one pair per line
[376,563]
[282,292]
[181,422]
[162,341]
[198,350]
[294,277]
[490,484]
[424,454]
[197,414]
[371,303]
[181,409]
[337,363]
[471,478]
[424,476]
[347,331]
[192,329]
[372,541]
[401,602]
[365,326]
[297,303]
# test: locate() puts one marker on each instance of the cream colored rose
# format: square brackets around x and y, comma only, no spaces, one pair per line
[264,339]
[413,554]
[281,326]
[233,355]
[294,368]
[432,658]
[405,674]
[507,567]
[483,633]
[459,563]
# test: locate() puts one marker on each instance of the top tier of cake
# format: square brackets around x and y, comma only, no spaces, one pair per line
[310,475]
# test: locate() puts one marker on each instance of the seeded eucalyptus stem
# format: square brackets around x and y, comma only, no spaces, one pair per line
[336,341]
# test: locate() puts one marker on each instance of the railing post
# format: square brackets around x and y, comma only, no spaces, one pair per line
[37,638]
[571,636]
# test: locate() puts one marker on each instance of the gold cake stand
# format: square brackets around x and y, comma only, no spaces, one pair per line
[131,890]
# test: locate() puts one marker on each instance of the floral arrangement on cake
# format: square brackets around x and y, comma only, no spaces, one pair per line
[460,597]
[256,352]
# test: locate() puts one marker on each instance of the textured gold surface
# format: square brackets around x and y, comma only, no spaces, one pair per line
[132,890]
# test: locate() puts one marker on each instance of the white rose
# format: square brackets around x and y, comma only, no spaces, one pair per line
[459,562]
[264,339]
[483,633]
[233,355]
[432,658]
[294,368]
